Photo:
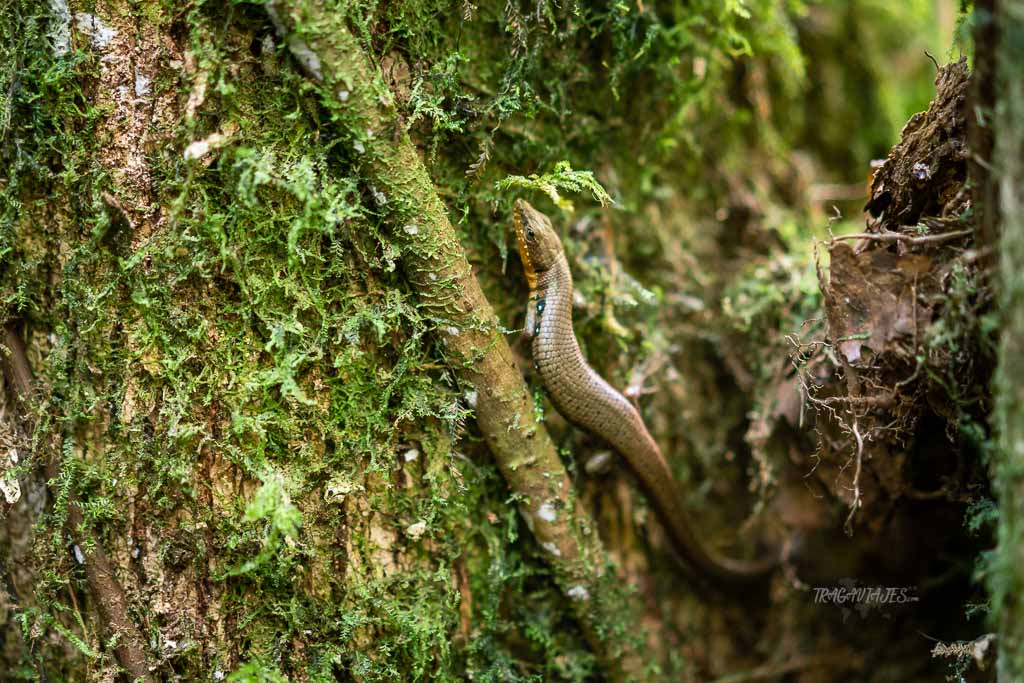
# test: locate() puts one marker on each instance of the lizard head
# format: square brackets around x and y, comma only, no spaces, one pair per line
[539,246]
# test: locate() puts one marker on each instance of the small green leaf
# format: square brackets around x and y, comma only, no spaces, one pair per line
[563,178]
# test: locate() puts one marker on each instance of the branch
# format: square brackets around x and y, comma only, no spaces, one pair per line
[99,572]
[466,326]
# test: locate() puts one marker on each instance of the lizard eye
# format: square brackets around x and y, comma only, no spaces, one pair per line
[529,233]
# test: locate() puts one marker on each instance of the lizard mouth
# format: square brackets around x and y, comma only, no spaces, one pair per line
[519,218]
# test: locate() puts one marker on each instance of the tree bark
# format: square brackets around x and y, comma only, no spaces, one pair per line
[1008,577]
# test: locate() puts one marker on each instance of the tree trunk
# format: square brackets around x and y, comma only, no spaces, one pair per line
[1007,581]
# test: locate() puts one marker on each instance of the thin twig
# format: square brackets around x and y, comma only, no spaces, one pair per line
[856,503]
[900,237]
[883,401]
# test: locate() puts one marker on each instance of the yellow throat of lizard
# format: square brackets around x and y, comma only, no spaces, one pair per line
[524,252]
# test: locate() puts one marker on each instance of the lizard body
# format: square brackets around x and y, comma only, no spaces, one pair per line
[587,400]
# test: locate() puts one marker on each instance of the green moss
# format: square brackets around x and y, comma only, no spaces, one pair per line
[563,178]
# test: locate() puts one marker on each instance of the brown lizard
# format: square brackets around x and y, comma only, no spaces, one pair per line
[587,400]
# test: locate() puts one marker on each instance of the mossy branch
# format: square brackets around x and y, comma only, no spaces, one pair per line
[474,347]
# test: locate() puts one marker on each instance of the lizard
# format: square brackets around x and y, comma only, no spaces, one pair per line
[585,399]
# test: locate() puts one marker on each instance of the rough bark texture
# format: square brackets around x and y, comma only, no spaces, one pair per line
[1008,578]
[982,139]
